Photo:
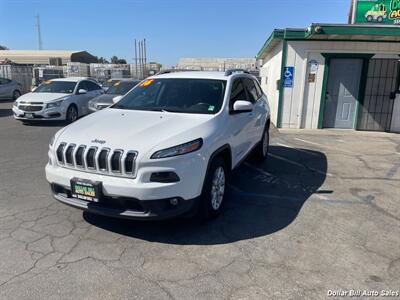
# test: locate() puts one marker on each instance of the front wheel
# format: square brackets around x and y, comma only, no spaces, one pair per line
[16,94]
[72,114]
[214,189]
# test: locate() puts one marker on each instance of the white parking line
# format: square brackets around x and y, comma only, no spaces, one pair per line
[297,149]
[300,165]
[323,146]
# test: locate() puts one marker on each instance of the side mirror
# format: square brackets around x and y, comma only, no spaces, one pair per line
[117,98]
[82,91]
[242,106]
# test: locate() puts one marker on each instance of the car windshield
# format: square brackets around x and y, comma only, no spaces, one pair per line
[121,87]
[109,83]
[65,87]
[199,96]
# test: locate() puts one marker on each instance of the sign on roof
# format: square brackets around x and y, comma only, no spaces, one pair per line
[377,12]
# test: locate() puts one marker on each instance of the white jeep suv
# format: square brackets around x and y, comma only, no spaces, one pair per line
[57,99]
[165,149]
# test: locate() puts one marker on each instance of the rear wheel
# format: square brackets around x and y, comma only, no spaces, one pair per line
[380,19]
[214,189]
[16,94]
[72,114]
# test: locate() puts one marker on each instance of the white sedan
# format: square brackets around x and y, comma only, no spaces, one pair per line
[57,99]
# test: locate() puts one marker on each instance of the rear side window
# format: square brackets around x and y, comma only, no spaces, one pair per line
[251,90]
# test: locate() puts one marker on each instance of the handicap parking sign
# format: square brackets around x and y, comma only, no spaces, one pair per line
[288,75]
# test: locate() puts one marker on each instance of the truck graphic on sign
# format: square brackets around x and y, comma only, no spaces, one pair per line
[377,11]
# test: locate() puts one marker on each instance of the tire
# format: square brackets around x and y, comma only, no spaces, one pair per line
[72,114]
[369,18]
[16,94]
[380,19]
[261,151]
[212,199]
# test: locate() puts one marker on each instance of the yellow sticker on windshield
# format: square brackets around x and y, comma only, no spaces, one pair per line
[147,82]
[117,83]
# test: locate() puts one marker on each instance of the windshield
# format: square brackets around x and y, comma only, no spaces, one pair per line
[121,87]
[108,83]
[201,96]
[65,87]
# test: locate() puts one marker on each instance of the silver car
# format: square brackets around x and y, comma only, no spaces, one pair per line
[9,89]
[120,87]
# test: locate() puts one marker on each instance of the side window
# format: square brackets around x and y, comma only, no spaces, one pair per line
[83,85]
[237,92]
[258,89]
[92,86]
[251,89]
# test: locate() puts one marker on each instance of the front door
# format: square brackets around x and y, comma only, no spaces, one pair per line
[342,93]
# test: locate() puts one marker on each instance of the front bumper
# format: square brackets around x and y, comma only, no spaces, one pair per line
[56,114]
[127,208]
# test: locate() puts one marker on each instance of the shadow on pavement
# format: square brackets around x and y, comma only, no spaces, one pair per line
[45,123]
[5,112]
[262,199]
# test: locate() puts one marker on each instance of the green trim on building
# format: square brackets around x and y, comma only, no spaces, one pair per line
[281,90]
[332,32]
[364,72]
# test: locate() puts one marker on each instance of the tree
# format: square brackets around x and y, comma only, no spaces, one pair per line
[116,60]
[3,47]
[102,60]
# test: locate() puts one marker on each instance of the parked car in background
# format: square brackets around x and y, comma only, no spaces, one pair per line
[9,89]
[119,88]
[166,148]
[109,83]
[57,99]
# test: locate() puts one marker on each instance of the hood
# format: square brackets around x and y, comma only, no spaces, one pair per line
[103,99]
[142,131]
[41,97]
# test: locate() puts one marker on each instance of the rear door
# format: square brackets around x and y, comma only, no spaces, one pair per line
[5,88]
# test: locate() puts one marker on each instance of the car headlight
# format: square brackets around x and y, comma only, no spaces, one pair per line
[54,104]
[179,150]
[15,104]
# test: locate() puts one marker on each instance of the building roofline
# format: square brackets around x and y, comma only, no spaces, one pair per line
[343,32]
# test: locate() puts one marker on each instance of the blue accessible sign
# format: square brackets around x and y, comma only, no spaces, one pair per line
[288,76]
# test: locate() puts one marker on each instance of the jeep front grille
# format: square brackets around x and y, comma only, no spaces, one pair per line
[97,160]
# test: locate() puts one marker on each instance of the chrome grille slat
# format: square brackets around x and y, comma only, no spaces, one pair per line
[80,153]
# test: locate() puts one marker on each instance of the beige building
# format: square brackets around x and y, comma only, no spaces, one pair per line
[46,57]
[216,64]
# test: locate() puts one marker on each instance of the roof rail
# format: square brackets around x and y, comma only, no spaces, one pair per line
[166,71]
[231,71]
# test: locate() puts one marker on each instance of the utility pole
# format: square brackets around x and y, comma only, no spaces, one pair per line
[136,66]
[40,44]
[145,58]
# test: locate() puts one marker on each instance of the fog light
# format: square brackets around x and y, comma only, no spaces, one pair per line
[174,201]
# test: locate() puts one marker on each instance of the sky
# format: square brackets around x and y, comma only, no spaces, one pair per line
[172,28]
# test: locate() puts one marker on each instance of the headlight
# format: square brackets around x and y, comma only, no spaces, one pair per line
[15,104]
[179,150]
[54,104]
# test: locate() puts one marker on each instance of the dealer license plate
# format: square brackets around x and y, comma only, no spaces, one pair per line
[86,189]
